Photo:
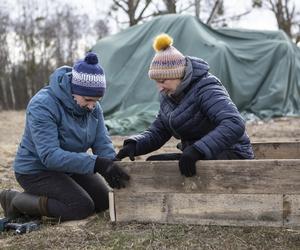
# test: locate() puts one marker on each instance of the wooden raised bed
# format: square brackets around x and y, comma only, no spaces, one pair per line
[260,192]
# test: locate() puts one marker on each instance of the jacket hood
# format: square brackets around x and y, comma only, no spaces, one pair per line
[195,69]
[60,84]
[199,67]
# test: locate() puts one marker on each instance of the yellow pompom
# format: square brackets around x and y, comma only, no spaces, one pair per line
[162,41]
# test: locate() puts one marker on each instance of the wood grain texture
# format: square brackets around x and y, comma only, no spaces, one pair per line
[203,209]
[112,208]
[260,192]
[291,210]
[236,177]
[276,150]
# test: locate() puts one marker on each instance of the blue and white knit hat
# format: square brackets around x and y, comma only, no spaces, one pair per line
[88,77]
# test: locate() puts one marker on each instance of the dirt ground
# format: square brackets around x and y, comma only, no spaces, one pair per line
[98,232]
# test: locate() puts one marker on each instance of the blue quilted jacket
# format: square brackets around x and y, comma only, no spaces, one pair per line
[199,113]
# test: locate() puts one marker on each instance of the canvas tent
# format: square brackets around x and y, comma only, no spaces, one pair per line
[260,69]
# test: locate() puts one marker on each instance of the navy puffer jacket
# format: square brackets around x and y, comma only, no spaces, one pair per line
[199,113]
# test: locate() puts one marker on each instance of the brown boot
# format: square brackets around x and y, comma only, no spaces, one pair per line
[6,198]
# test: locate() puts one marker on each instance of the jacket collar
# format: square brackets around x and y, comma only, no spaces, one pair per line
[60,84]
[195,69]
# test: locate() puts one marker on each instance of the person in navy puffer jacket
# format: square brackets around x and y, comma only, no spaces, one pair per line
[63,121]
[195,108]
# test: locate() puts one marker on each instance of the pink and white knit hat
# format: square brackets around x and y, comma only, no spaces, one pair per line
[168,62]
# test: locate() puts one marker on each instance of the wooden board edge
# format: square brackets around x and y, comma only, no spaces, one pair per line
[112,208]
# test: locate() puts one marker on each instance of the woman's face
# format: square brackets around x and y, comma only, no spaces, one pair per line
[168,86]
[86,101]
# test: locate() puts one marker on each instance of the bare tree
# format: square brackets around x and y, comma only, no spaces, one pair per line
[197,8]
[6,96]
[68,29]
[43,36]
[170,5]
[101,28]
[134,9]
[216,9]
[285,13]
[208,11]
[46,39]
[25,29]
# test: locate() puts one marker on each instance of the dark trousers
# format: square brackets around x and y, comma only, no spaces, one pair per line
[70,197]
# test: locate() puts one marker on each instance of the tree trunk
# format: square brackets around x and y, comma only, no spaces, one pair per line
[197,8]
[170,5]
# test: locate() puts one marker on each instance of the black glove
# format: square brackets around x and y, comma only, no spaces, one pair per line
[112,173]
[187,161]
[127,150]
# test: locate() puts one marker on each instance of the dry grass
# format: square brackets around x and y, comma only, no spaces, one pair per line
[97,232]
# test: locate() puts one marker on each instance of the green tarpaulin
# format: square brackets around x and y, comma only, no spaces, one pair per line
[260,69]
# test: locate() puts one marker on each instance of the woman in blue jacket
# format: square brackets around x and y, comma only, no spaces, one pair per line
[195,108]
[63,121]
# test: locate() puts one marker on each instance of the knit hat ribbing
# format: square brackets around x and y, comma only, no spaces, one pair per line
[88,77]
[168,62]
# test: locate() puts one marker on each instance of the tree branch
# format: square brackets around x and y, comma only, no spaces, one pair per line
[273,7]
[143,10]
[135,6]
[232,17]
[186,8]
[214,11]
[120,6]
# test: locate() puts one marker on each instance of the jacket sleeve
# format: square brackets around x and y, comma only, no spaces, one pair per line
[151,139]
[103,145]
[44,131]
[215,103]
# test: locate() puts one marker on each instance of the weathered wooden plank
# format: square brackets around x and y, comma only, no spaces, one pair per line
[203,209]
[276,150]
[237,192]
[112,209]
[236,177]
[291,210]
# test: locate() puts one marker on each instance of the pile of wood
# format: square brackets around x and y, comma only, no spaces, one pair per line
[260,192]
